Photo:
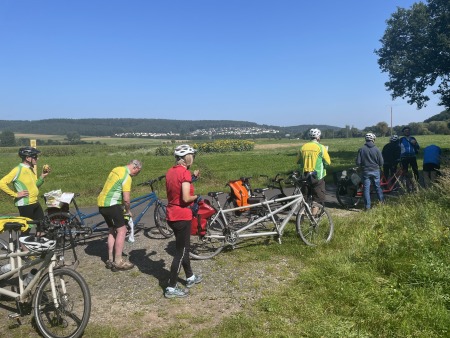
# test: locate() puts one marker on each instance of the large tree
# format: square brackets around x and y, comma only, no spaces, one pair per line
[7,139]
[415,52]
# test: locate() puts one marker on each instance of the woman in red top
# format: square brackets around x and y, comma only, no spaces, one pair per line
[180,196]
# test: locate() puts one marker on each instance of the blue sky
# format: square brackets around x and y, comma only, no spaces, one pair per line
[278,62]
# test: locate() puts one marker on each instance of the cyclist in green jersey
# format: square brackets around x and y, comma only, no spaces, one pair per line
[26,185]
[113,200]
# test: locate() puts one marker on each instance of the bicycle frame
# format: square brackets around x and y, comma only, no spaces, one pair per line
[296,201]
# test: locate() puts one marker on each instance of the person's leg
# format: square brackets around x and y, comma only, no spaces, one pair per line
[376,181]
[186,261]
[111,241]
[414,167]
[119,243]
[366,184]
[426,178]
[179,252]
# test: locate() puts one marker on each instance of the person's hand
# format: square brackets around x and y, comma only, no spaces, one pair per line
[197,173]
[23,193]
[198,199]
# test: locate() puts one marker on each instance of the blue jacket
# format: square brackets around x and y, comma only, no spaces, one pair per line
[407,149]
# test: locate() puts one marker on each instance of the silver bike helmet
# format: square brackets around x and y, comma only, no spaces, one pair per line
[394,138]
[37,244]
[370,137]
[184,150]
[314,133]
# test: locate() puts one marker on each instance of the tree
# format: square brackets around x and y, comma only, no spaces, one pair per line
[415,52]
[7,139]
[73,137]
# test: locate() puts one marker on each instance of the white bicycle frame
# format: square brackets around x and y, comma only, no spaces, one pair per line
[15,259]
[294,202]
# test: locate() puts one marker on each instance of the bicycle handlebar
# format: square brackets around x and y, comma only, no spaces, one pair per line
[151,182]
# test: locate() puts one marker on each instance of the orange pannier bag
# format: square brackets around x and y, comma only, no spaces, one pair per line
[198,223]
[240,193]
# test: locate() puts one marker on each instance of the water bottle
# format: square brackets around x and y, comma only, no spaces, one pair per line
[29,277]
[5,268]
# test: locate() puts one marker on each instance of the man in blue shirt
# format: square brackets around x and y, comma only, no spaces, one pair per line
[431,164]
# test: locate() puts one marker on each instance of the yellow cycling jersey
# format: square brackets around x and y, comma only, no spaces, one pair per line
[314,157]
[23,178]
[118,181]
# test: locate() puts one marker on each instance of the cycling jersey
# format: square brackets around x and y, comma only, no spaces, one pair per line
[23,178]
[315,157]
[177,209]
[118,181]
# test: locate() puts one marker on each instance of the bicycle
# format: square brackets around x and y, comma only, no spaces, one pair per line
[350,189]
[83,231]
[219,231]
[58,296]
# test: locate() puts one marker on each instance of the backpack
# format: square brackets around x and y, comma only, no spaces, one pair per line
[240,193]
[198,223]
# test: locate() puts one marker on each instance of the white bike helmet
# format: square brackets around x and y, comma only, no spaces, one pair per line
[314,133]
[370,137]
[394,138]
[183,150]
[37,244]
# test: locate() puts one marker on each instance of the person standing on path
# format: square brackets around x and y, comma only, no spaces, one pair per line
[391,156]
[313,160]
[180,200]
[409,147]
[370,160]
[113,203]
[26,185]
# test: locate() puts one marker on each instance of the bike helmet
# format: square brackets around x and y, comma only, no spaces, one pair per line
[37,244]
[28,152]
[314,133]
[394,138]
[184,150]
[370,137]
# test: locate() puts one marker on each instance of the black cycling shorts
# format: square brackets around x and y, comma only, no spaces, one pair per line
[113,216]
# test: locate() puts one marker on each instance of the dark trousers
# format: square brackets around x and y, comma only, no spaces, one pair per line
[182,231]
[33,211]
[412,161]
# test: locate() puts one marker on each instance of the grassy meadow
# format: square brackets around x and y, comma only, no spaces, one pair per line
[386,272]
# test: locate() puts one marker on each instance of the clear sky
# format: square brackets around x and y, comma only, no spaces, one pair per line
[276,62]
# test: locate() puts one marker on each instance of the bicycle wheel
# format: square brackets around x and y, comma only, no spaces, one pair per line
[205,247]
[315,230]
[161,222]
[71,316]
[62,220]
[347,196]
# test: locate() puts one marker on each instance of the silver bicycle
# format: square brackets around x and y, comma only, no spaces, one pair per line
[270,218]
[57,295]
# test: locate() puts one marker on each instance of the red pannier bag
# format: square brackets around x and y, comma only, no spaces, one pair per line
[198,223]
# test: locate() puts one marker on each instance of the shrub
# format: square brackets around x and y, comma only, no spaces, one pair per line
[162,151]
[222,146]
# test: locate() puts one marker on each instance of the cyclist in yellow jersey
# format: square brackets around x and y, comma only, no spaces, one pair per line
[113,199]
[26,185]
[314,159]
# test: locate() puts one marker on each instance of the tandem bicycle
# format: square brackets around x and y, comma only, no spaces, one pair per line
[219,231]
[89,225]
[55,293]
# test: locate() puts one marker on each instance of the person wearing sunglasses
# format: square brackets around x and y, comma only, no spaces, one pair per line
[26,185]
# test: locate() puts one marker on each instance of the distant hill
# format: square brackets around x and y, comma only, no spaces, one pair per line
[110,127]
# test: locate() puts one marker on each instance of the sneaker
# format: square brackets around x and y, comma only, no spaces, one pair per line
[108,264]
[190,282]
[122,266]
[175,292]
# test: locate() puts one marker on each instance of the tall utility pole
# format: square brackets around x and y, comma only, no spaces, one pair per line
[391,120]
